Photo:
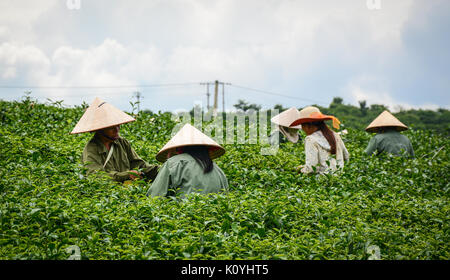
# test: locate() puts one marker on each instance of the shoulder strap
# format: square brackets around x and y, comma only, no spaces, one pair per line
[109,155]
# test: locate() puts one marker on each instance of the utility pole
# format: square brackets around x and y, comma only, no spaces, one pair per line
[207,93]
[138,97]
[216,95]
[223,97]
[223,94]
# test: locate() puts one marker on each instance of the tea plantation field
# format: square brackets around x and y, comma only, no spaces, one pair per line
[48,205]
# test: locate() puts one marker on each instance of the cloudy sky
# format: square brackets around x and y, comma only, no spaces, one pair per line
[291,52]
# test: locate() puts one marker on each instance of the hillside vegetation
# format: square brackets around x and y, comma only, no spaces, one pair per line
[48,205]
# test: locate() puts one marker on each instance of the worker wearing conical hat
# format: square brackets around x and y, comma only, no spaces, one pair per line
[324,149]
[188,165]
[107,151]
[388,138]
[284,133]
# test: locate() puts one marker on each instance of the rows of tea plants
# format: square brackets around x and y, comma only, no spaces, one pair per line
[48,205]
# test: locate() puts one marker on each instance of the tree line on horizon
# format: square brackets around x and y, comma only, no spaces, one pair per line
[360,117]
[353,116]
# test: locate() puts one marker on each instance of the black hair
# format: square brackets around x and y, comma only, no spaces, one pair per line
[384,129]
[201,155]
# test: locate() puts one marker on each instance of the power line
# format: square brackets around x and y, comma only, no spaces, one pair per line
[94,87]
[277,94]
[216,83]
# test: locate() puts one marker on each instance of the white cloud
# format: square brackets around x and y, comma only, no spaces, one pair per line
[358,93]
[24,60]
[271,45]
[17,18]
[373,90]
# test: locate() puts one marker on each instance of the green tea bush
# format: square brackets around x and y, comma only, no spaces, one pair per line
[48,205]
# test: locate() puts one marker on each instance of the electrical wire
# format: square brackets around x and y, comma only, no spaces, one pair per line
[150,86]
[95,87]
[278,94]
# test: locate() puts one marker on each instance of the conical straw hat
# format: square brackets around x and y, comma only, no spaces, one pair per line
[386,119]
[287,117]
[313,114]
[100,115]
[190,136]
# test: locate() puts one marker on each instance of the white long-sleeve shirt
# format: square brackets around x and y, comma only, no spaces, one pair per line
[317,151]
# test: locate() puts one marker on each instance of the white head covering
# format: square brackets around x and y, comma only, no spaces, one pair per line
[284,120]
[289,133]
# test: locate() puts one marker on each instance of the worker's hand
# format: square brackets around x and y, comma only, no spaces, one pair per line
[299,168]
[133,176]
[150,172]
